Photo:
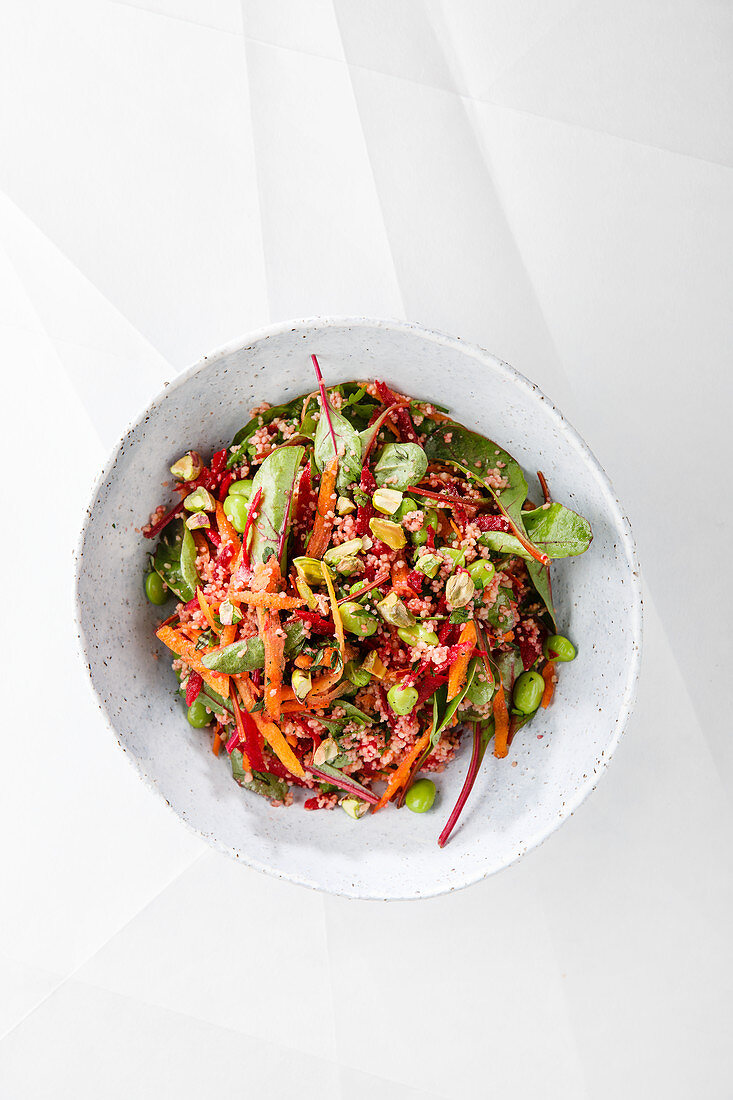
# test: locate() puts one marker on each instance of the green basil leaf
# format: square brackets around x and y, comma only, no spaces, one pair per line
[348,442]
[277,478]
[401,465]
[558,531]
[168,560]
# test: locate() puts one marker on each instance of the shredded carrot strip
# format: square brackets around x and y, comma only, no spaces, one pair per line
[456,529]
[459,668]
[202,545]
[269,730]
[501,723]
[274,639]
[208,614]
[227,532]
[400,587]
[321,533]
[267,575]
[275,601]
[216,745]
[228,635]
[185,649]
[548,675]
[338,625]
[303,660]
[402,773]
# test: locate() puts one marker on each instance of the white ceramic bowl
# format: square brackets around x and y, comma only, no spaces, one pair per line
[393,854]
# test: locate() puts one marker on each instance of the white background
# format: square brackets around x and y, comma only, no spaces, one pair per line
[548,178]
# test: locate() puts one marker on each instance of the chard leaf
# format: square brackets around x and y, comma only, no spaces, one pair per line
[480,458]
[276,477]
[558,531]
[348,442]
[401,465]
[454,703]
[263,783]
[498,613]
[509,665]
[175,560]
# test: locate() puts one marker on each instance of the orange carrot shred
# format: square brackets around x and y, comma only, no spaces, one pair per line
[275,601]
[185,649]
[548,675]
[402,772]
[459,668]
[216,744]
[501,723]
[227,532]
[322,527]
[208,614]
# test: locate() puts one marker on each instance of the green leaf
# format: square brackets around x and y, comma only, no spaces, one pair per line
[454,703]
[498,613]
[502,542]
[339,779]
[248,655]
[355,714]
[276,477]
[263,783]
[401,465]
[481,459]
[168,560]
[509,666]
[540,576]
[291,410]
[558,531]
[238,657]
[349,447]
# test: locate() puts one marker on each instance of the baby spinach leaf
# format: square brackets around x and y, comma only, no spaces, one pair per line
[498,613]
[502,542]
[401,465]
[276,477]
[558,531]
[483,460]
[172,555]
[291,410]
[269,786]
[355,714]
[348,442]
[540,576]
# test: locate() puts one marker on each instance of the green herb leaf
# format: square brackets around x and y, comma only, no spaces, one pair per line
[277,478]
[355,714]
[348,442]
[401,465]
[502,542]
[558,531]
[263,783]
[170,557]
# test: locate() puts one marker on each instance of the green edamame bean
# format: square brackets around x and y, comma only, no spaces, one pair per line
[558,648]
[358,621]
[411,635]
[241,488]
[407,505]
[236,509]
[155,590]
[481,572]
[528,692]
[197,715]
[420,796]
[359,677]
[420,537]
[402,699]
[480,691]
[457,557]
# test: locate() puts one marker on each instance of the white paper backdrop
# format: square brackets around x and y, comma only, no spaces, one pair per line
[551,180]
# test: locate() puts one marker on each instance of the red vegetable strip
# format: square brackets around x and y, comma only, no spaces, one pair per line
[250,520]
[364,512]
[218,461]
[473,767]
[249,735]
[402,416]
[354,789]
[325,403]
[163,521]
[381,578]
[492,523]
[545,488]
[193,686]
[224,487]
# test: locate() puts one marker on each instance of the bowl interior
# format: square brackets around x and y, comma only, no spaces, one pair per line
[392,854]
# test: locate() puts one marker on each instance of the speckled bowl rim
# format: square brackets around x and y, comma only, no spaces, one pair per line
[621,521]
